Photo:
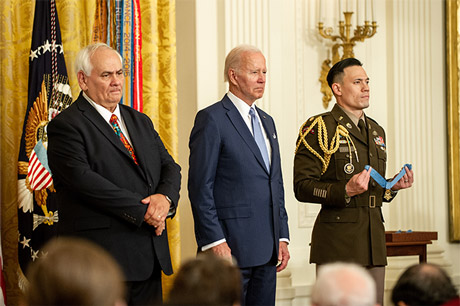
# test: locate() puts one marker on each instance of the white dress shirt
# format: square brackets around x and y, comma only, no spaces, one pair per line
[243,108]
[106,114]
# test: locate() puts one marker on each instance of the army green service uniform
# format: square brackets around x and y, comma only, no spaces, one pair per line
[346,229]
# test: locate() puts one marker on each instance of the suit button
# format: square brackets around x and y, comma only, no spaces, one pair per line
[373,184]
[337,218]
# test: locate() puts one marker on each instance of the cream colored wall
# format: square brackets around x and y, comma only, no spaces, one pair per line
[405,63]
[187,107]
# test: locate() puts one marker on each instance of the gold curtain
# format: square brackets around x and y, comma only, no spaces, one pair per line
[160,91]
[76,18]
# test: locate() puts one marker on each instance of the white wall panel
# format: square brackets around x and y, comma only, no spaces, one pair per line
[411,119]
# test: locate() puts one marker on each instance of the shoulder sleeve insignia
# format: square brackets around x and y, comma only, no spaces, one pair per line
[305,128]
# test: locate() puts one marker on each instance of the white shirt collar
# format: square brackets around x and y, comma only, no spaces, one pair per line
[242,106]
[104,112]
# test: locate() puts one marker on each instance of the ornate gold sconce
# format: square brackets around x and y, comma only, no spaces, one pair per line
[346,42]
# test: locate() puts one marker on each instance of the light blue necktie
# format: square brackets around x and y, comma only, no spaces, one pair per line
[259,137]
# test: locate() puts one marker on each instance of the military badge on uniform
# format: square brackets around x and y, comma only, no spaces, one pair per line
[380,142]
[349,168]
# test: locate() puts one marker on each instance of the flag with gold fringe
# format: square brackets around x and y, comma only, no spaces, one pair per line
[48,94]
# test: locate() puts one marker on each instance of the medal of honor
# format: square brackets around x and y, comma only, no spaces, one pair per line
[387,195]
[349,168]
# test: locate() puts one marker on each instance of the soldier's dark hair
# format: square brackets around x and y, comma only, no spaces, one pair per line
[336,73]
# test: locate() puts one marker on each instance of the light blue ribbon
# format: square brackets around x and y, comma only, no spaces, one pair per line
[382,181]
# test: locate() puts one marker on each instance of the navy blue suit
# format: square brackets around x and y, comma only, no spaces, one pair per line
[233,196]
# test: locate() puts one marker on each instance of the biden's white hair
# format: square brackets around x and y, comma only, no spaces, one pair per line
[233,59]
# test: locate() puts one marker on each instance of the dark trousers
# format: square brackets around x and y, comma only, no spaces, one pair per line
[259,285]
[146,292]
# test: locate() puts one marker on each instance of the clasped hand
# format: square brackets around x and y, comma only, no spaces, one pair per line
[157,211]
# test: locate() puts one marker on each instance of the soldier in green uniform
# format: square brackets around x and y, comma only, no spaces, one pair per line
[331,153]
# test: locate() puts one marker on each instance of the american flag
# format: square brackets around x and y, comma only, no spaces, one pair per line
[48,94]
[38,171]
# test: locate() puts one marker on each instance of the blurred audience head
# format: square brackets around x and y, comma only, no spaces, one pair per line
[207,280]
[423,284]
[343,284]
[75,272]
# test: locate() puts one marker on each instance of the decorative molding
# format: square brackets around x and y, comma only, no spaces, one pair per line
[247,22]
[411,112]
[299,57]
[453,106]
[304,35]
[307,214]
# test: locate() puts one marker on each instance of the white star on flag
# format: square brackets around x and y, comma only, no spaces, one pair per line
[33,54]
[46,46]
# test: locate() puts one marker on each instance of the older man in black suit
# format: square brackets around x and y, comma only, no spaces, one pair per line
[115,182]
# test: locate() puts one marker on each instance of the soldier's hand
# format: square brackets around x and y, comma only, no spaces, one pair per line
[406,181]
[359,183]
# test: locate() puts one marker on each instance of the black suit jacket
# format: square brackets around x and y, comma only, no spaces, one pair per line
[99,187]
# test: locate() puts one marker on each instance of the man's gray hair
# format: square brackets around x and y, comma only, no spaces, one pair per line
[343,284]
[232,61]
[83,60]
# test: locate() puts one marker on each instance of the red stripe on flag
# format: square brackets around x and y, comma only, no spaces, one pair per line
[137,90]
[36,177]
[42,179]
[39,177]
[32,166]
